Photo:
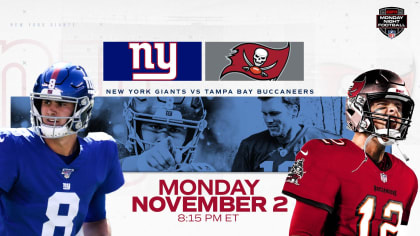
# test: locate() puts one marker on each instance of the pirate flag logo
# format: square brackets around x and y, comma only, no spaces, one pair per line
[356,88]
[391,21]
[257,61]
[296,172]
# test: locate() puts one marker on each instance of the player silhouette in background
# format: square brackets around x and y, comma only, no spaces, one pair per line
[52,181]
[345,187]
[274,149]
[163,133]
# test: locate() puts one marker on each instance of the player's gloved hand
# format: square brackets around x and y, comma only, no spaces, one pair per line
[160,157]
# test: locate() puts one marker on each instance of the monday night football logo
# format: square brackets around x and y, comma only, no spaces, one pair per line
[152,61]
[391,21]
[257,61]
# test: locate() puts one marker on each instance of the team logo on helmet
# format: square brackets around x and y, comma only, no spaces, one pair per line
[296,172]
[257,61]
[356,88]
[391,21]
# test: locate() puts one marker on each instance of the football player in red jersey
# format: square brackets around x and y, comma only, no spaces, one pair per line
[345,187]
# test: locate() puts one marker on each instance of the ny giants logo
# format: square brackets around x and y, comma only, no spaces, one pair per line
[170,66]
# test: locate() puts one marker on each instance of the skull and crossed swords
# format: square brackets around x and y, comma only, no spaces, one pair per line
[260,56]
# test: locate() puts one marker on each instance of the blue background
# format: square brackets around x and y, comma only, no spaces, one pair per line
[230,119]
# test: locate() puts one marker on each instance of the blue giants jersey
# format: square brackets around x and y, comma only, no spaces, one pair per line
[41,194]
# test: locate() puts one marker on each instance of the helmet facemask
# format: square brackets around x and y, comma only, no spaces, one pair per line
[74,122]
[166,118]
[396,127]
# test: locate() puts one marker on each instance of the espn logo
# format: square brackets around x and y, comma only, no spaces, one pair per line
[152,61]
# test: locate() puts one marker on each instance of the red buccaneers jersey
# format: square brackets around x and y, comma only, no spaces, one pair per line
[360,198]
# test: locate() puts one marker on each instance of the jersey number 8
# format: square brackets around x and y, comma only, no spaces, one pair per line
[65,221]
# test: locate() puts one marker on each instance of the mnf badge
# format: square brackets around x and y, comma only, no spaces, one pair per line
[391,21]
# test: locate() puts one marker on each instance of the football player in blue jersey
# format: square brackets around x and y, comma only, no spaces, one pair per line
[163,133]
[53,182]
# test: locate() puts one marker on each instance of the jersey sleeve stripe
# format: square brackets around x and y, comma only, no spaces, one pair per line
[329,209]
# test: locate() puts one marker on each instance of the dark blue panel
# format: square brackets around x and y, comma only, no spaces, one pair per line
[118,61]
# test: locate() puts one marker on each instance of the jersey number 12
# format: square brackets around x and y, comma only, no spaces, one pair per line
[366,211]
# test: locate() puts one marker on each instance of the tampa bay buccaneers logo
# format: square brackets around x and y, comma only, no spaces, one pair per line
[296,172]
[356,88]
[257,61]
